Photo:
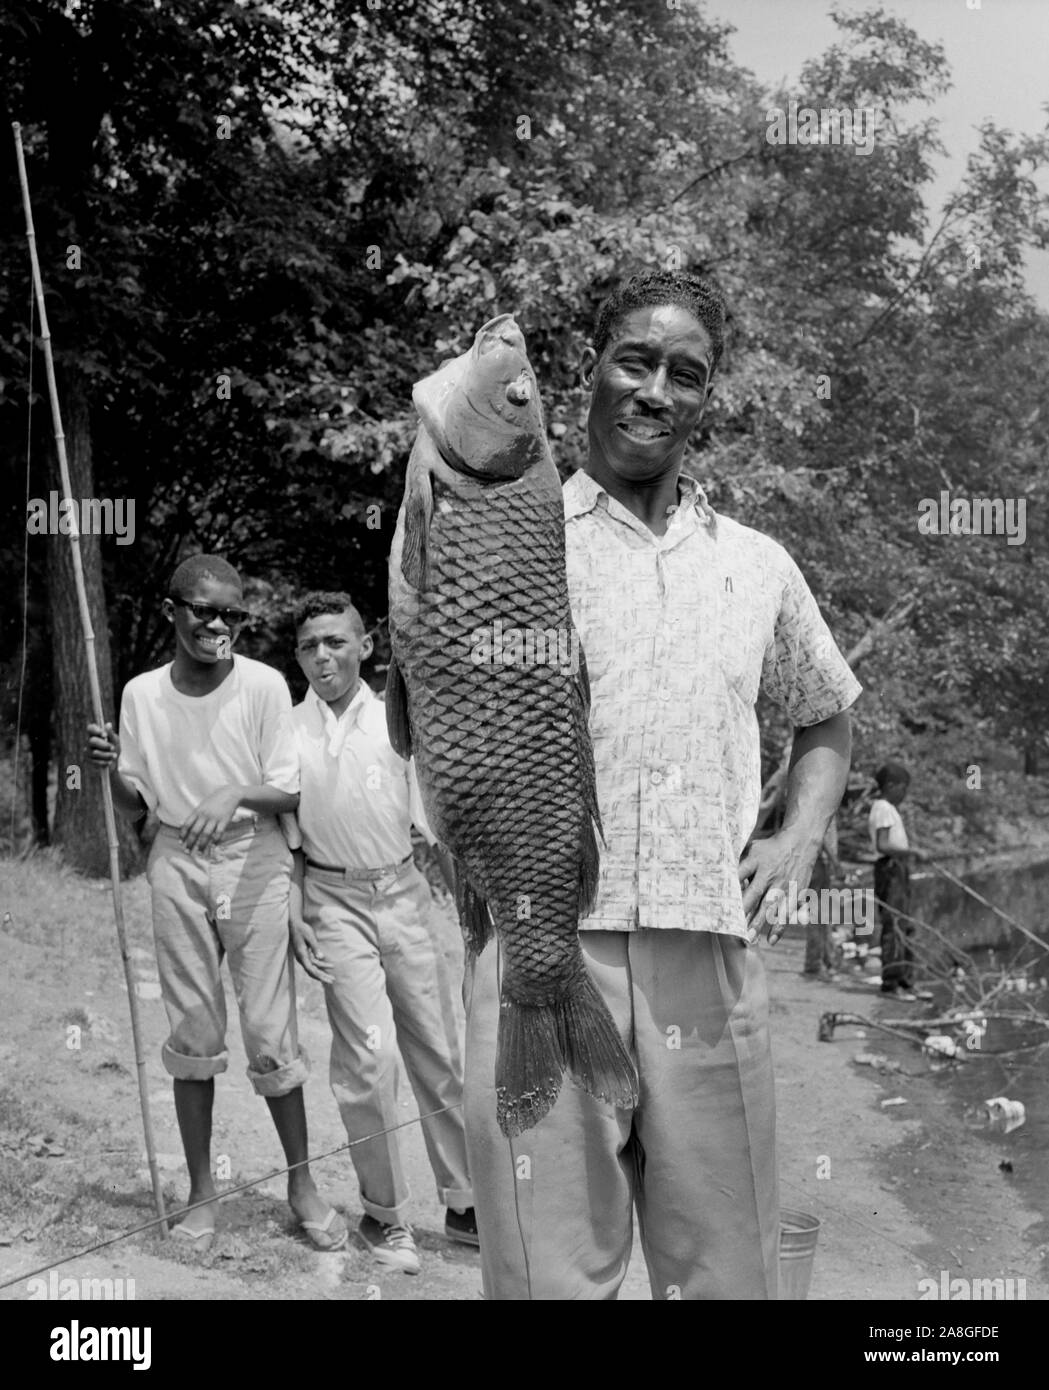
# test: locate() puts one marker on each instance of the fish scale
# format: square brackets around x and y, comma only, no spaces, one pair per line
[502,751]
[527,761]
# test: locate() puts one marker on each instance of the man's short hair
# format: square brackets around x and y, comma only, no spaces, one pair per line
[700,297]
[198,567]
[320,602]
[889,773]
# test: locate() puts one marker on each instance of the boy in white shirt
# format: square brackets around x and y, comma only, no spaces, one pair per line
[361,924]
[202,744]
[892,881]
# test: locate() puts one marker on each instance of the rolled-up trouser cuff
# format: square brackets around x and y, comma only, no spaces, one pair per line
[389,1216]
[184,1068]
[460,1197]
[282,1079]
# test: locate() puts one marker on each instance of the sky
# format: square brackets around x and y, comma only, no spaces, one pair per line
[998,56]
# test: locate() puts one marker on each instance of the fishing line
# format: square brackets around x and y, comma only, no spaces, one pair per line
[959,954]
[25,573]
[996,910]
[230,1192]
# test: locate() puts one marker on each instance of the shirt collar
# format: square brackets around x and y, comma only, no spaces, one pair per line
[338,728]
[582,493]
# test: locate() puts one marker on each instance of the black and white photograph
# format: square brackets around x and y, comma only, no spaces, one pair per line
[524,668]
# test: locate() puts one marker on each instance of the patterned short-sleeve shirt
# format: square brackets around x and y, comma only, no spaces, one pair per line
[680,632]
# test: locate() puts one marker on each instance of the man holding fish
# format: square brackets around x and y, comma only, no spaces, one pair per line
[655,1002]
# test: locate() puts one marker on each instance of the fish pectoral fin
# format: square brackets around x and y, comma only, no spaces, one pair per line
[398,720]
[418,513]
[589,867]
[583,681]
[581,715]
[474,917]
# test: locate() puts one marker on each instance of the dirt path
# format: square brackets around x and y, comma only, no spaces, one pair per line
[910,1189]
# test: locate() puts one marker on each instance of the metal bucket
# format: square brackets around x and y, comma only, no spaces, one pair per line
[797,1250]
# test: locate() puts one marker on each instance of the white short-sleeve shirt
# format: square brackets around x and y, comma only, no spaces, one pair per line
[885,816]
[177,749]
[359,798]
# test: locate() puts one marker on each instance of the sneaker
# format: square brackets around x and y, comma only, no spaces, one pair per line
[461,1226]
[393,1246]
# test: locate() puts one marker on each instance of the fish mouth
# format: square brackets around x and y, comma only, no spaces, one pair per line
[642,429]
[501,331]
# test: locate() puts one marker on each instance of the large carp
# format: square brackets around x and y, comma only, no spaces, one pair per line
[488,692]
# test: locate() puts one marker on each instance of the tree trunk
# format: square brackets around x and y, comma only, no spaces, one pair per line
[40,756]
[79,826]
[38,702]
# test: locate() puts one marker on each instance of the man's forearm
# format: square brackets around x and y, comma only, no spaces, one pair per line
[268,801]
[298,873]
[819,770]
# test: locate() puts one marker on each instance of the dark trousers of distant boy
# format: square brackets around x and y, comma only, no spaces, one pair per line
[892,888]
[819,946]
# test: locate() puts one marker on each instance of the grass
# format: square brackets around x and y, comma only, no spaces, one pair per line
[79,1105]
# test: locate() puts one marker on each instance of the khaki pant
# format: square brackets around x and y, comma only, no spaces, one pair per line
[392,989]
[697,1157]
[230,901]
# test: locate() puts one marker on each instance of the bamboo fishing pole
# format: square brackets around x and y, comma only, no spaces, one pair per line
[96,690]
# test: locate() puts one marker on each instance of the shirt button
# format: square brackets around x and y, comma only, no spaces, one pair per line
[655,778]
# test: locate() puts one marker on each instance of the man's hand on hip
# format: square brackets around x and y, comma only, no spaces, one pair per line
[774,873]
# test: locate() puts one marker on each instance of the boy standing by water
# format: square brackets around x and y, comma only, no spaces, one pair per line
[361,924]
[892,881]
[201,744]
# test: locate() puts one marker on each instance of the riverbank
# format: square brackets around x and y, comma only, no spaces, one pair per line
[907,1190]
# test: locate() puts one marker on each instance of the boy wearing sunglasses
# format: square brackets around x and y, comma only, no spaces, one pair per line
[202,745]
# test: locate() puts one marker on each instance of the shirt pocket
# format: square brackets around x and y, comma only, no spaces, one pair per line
[743,627]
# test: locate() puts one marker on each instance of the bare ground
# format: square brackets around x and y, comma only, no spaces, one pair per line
[911,1190]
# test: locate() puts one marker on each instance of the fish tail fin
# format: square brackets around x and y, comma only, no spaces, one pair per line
[398,721]
[538,1043]
[593,1050]
[529,1064]
[474,919]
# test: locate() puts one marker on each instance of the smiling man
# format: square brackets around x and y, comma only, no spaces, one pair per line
[683,617]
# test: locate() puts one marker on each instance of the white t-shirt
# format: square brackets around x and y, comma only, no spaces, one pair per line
[359,797]
[885,816]
[177,749]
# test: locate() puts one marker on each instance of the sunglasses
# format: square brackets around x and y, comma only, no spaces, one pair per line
[206,613]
